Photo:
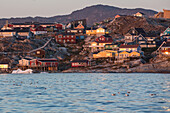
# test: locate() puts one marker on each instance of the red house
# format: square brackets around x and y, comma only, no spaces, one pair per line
[66,38]
[104,39]
[80,63]
[59,26]
[37,30]
[48,64]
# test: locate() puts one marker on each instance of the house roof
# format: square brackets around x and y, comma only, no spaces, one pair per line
[140,13]
[47,60]
[7,31]
[128,46]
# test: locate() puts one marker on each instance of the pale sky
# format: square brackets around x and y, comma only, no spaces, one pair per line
[47,8]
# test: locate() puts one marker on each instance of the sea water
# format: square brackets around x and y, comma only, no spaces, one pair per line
[85,93]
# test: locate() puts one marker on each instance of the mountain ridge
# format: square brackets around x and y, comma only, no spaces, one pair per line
[94,13]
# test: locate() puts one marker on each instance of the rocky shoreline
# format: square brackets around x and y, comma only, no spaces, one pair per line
[159,64]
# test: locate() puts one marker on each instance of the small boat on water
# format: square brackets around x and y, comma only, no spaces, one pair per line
[19,71]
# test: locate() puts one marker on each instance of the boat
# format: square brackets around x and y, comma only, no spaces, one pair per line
[19,71]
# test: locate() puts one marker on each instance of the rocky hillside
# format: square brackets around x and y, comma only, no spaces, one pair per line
[93,14]
[123,24]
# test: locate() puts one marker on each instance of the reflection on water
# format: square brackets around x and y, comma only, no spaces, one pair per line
[85,93]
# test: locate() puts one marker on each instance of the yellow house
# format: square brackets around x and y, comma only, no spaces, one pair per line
[134,54]
[103,54]
[139,14]
[122,55]
[7,33]
[4,66]
[99,31]
[95,46]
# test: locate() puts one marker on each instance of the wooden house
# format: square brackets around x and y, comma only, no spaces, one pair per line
[7,33]
[4,66]
[129,48]
[122,55]
[40,53]
[38,30]
[76,31]
[133,33]
[166,34]
[80,63]
[48,64]
[104,54]
[134,54]
[76,24]
[111,47]
[96,31]
[140,14]
[165,49]
[26,61]
[100,42]
[63,38]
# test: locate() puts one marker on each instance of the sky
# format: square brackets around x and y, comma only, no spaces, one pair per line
[47,8]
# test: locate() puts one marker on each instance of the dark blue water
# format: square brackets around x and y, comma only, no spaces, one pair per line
[83,93]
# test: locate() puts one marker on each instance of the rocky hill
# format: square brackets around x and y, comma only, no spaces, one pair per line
[123,24]
[93,14]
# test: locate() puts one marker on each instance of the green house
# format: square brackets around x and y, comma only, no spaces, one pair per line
[111,47]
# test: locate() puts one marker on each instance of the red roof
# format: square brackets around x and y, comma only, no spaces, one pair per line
[128,46]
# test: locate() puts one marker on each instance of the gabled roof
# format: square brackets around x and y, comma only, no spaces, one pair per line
[128,46]
[140,13]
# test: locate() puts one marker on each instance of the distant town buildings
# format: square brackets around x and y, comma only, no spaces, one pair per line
[165,14]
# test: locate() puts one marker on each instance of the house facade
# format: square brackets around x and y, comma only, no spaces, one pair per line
[4,66]
[38,30]
[7,33]
[165,49]
[133,33]
[166,34]
[80,63]
[129,48]
[140,14]
[100,42]
[104,54]
[66,38]
[96,31]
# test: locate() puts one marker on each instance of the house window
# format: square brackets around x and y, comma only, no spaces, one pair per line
[72,36]
[59,40]
[72,40]
[60,36]
[67,36]
[68,40]
[38,52]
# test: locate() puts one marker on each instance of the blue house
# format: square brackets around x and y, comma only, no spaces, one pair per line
[166,34]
